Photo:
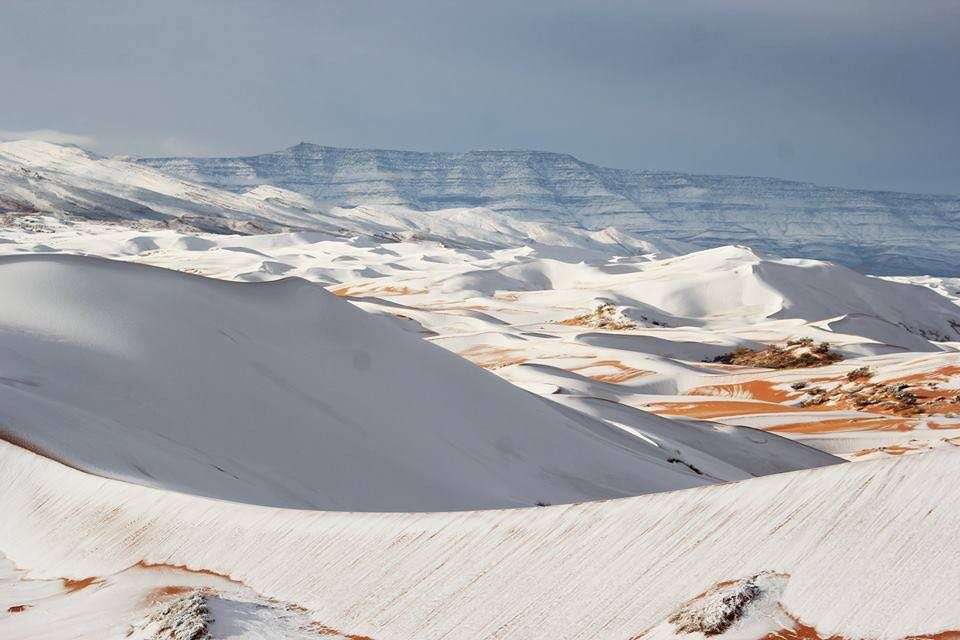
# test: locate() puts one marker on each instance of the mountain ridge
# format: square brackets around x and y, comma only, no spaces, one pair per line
[304,144]
[884,232]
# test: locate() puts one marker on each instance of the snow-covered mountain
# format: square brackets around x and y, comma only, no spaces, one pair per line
[45,177]
[873,231]
[320,188]
[41,177]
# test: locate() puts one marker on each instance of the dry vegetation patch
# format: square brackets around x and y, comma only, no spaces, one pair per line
[185,618]
[721,607]
[796,354]
[906,397]
[605,316]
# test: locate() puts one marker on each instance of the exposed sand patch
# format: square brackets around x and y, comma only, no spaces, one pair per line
[802,631]
[623,372]
[900,400]
[756,389]
[493,357]
[719,408]
[799,631]
[362,291]
[171,567]
[324,630]
[912,395]
[892,450]
[71,586]
[845,424]
[165,593]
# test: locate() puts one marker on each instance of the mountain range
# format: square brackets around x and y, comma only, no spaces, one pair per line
[878,232]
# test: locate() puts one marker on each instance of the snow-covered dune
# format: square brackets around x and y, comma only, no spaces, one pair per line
[716,288]
[864,550]
[590,321]
[280,393]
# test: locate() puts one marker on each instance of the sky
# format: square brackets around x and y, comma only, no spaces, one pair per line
[859,93]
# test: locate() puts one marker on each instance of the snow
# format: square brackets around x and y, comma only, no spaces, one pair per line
[874,231]
[869,549]
[502,308]
[316,429]
[282,394]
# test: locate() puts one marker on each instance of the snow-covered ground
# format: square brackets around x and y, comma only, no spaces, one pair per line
[187,449]
[570,315]
[863,550]
[281,393]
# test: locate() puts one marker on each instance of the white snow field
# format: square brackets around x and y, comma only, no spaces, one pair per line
[862,550]
[283,394]
[337,422]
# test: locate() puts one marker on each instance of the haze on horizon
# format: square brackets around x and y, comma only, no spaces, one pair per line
[859,94]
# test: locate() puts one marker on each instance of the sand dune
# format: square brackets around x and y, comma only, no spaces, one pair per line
[282,394]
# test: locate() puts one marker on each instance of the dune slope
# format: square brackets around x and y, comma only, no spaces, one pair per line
[862,550]
[282,394]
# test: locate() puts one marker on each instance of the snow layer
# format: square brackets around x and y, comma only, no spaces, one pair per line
[870,550]
[281,393]
[566,314]
[40,177]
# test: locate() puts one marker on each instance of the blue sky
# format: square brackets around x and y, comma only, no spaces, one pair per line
[862,93]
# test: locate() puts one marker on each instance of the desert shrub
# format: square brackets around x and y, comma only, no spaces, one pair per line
[798,355]
[862,373]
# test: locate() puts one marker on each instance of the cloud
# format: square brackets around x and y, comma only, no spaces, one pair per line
[49,135]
